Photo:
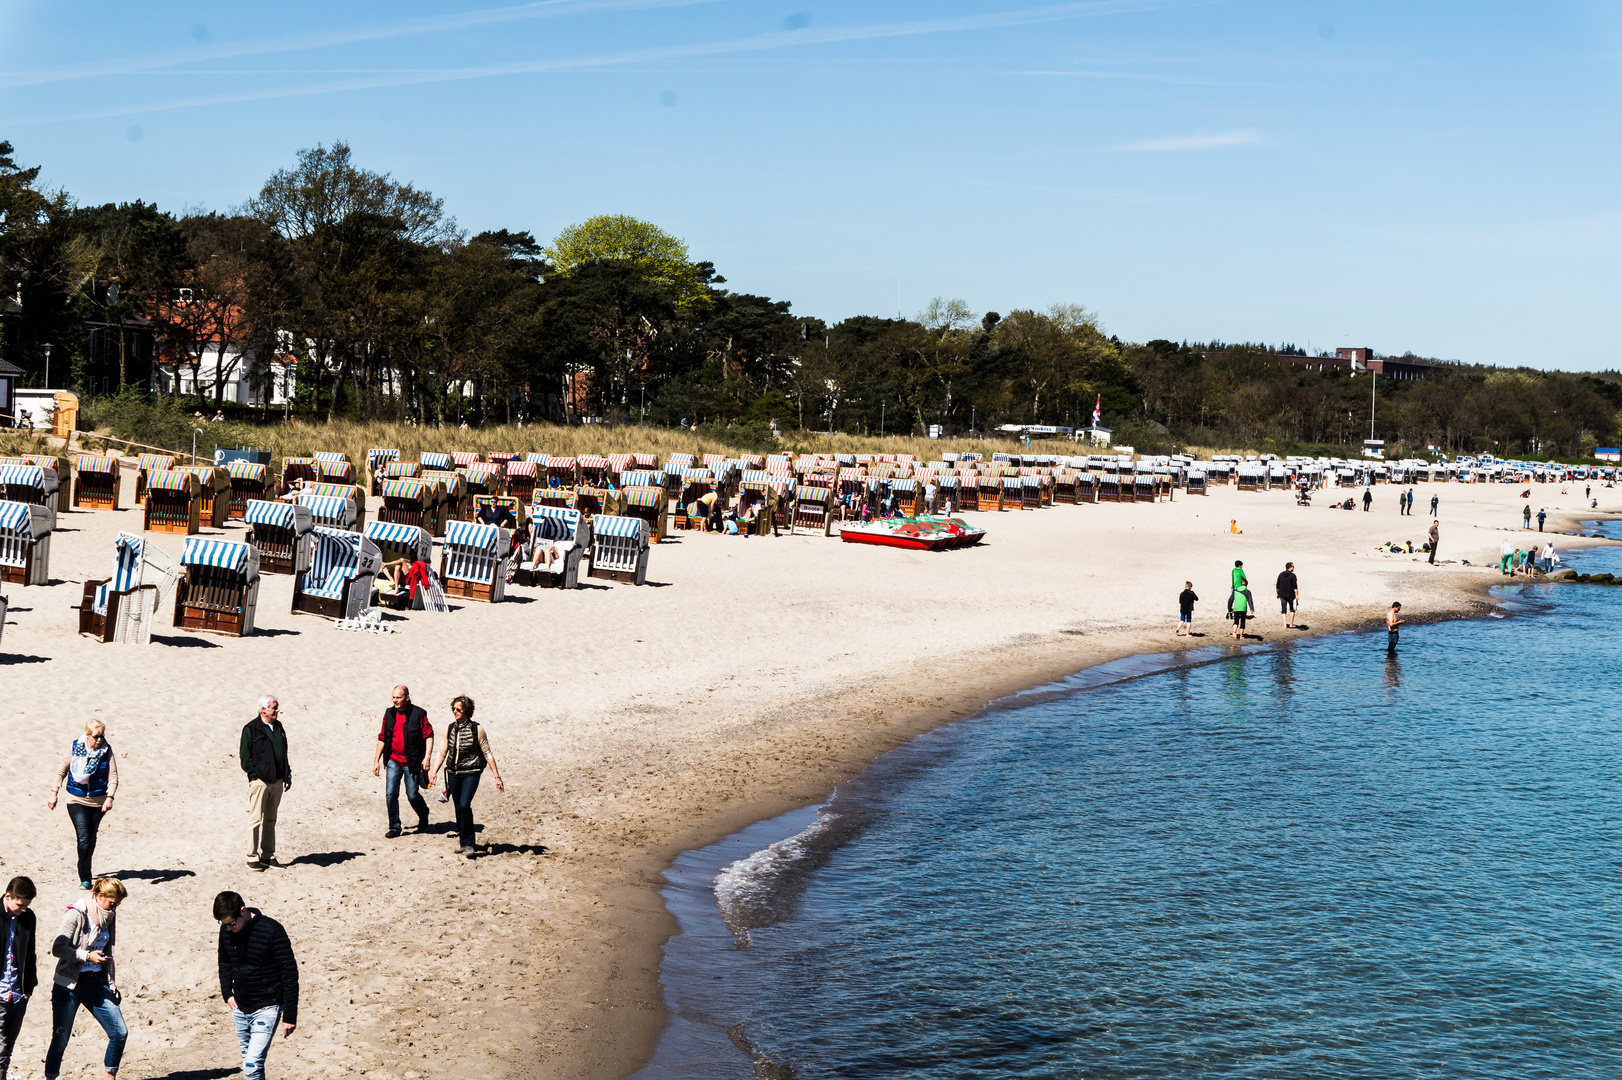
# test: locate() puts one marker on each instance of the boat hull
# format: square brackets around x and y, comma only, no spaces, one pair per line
[903,533]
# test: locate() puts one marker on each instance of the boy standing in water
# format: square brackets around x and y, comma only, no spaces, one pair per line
[1185,607]
[1392,622]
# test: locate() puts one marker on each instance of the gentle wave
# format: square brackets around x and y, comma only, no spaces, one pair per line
[760,890]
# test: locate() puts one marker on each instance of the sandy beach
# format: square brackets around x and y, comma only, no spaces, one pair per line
[749,677]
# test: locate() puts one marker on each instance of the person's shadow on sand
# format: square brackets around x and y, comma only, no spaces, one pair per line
[326,858]
[199,1074]
[511,849]
[156,877]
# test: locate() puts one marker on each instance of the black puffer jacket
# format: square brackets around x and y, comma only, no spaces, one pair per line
[257,967]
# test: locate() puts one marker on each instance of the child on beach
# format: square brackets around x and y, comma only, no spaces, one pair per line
[1185,605]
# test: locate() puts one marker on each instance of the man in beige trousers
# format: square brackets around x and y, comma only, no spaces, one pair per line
[264,759]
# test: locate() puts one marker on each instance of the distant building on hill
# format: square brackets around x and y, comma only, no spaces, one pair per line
[1360,358]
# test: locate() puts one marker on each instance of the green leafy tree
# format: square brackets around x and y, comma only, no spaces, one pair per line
[657,256]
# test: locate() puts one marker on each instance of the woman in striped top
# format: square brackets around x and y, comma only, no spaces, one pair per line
[463,756]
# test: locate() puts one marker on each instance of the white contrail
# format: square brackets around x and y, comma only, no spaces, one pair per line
[1198,142]
[756,43]
[157,62]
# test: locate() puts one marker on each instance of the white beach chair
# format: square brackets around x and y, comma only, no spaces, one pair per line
[25,542]
[124,607]
[572,535]
[338,584]
[619,550]
[474,562]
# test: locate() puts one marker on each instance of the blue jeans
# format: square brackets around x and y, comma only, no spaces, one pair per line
[463,788]
[91,992]
[397,772]
[254,1032]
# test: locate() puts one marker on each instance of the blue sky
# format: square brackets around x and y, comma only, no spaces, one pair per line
[1435,177]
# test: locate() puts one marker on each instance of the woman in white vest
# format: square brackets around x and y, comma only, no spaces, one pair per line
[90,772]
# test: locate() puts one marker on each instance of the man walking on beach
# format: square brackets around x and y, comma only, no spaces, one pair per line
[263,751]
[408,739]
[1368,499]
[1392,622]
[1543,515]
[1435,533]
[18,975]
[258,979]
[1288,593]
[1435,500]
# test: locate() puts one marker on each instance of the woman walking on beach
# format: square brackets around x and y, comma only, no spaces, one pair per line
[86,974]
[465,754]
[91,773]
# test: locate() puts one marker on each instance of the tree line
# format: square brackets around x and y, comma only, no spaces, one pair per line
[390,311]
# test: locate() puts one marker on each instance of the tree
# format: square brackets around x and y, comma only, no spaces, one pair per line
[360,243]
[657,256]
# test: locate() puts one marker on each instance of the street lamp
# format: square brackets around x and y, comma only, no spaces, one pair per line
[881,418]
[47,365]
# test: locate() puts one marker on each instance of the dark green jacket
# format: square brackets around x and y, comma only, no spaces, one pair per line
[264,751]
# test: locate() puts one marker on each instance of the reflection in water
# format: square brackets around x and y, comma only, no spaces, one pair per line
[1393,674]
[1284,671]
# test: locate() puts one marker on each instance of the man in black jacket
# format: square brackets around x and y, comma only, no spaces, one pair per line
[258,978]
[406,741]
[264,759]
[18,975]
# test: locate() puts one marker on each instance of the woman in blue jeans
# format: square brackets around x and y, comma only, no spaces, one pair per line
[465,754]
[86,974]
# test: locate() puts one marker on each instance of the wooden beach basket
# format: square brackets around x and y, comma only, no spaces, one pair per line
[213,492]
[280,531]
[249,480]
[25,542]
[813,510]
[125,607]
[473,563]
[145,466]
[174,503]
[571,532]
[619,549]
[338,584]
[220,591]
[95,482]
[378,459]
[647,503]
[520,480]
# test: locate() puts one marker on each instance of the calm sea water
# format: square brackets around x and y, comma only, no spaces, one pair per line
[1310,861]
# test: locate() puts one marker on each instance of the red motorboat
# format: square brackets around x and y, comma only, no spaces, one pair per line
[919,533]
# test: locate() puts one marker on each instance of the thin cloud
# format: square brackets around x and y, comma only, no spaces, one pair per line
[468,20]
[756,43]
[1133,76]
[1199,142]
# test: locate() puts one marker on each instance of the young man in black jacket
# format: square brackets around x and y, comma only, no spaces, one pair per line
[264,758]
[258,979]
[18,973]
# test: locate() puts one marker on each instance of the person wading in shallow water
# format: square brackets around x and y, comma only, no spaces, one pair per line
[1393,620]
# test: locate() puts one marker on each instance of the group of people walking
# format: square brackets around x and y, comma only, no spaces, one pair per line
[257,968]
[258,974]
[1241,603]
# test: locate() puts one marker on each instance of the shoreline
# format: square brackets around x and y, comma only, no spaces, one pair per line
[1473,602]
[632,724]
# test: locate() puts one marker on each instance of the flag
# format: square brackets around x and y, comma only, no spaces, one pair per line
[1098,404]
